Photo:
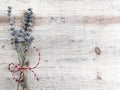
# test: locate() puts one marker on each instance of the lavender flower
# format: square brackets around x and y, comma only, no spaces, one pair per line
[23,34]
[22,38]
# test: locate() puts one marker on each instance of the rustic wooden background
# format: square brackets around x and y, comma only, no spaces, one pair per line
[79,42]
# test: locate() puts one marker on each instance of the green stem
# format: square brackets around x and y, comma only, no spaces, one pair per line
[18,84]
[21,58]
[25,81]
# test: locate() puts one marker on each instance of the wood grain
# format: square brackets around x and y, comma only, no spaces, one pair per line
[70,20]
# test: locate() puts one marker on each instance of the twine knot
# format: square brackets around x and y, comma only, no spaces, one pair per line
[18,68]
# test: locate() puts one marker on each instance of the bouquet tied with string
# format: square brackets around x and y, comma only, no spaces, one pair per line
[21,40]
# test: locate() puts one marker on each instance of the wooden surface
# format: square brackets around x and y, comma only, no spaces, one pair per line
[79,42]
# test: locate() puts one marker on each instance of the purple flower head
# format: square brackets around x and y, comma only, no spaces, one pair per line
[23,35]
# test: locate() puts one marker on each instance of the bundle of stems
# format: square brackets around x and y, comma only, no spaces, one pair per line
[21,40]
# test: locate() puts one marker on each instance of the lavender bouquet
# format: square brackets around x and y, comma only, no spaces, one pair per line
[21,40]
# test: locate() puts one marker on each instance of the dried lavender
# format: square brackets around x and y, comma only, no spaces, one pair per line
[22,38]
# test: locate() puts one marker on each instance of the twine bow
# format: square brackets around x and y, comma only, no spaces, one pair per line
[18,68]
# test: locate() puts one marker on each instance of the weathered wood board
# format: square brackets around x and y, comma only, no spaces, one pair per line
[67,33]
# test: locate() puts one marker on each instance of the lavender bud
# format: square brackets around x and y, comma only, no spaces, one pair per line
[26,19]
[12,28]
[31,38]
[28,33]
[28,13]
[9,11]
[30,24]
[29,9]
[19,34]
[26,48]
[9,14]
[29,29]
[12,43]
[9,7]
[31,19]
[31,12]
[12,39]
[20,39]
[13,33]
[21,31]
[11,23]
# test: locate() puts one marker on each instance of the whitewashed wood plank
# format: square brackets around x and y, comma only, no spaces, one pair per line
[68,58]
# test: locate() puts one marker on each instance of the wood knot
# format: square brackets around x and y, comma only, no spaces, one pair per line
[97,50]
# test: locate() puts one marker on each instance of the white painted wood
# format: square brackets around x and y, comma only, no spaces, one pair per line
[68,59]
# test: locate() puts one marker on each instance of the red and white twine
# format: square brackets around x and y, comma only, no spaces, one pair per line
[18,68]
